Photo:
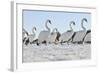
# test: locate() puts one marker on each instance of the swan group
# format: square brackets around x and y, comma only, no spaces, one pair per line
[54,36]
[32,36]
[28,38]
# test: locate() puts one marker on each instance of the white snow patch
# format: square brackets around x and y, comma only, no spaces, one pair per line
[52,52]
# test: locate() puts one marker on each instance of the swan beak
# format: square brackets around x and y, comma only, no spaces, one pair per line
[74,23]
[49,21]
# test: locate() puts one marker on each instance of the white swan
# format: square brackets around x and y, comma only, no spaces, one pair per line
[53,37]
[24,35]
[43,35]
[79,36]
[65,37]
[32,36]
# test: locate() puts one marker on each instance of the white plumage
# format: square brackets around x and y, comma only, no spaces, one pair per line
[24,35]
[53,36]
[79,36]
[88,37]
[65,37]
[43,35]
[32,36]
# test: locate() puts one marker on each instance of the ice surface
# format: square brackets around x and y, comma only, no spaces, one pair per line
[52,52]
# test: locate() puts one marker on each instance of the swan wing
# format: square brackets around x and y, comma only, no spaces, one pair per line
[52,37]
[31,37]
[79,36]
[88,37]
[43,36]
[66,36]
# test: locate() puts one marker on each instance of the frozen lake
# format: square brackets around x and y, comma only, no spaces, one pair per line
[34,53]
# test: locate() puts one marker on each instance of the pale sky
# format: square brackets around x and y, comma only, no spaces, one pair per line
[59,20]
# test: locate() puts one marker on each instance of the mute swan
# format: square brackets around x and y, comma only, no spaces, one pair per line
[65,37]
[54,36]
[79,36]
[32,36]
[43,35]
[24,34]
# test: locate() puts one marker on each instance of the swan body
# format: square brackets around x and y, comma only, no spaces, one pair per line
[32,36]
[87,38]
[79,35]
[65,37]
[52,38]
[43,35]
[24,34]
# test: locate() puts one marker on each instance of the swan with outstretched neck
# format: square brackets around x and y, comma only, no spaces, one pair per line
[65,37]
[79,35]
[32,35]
[43,35]
[87,38]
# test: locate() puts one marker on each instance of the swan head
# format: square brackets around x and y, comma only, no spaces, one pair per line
[49,21]
[84,19]
[34,28]
[72,22]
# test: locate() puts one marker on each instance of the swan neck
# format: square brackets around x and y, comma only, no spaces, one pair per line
[33,31]
[47,26]
[82,25]
[71,27]
[25,31]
